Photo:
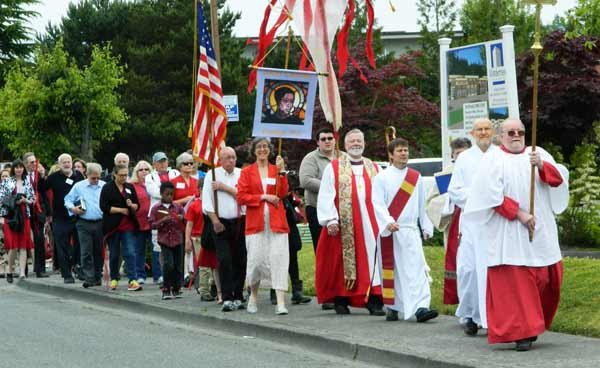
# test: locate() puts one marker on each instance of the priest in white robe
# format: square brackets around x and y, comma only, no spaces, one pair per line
[471,263]
[345,272]
[399,201]
[524,277]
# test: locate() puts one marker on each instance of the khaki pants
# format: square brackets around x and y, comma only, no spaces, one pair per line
[206,276]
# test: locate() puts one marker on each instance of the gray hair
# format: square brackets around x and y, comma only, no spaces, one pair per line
[64,156]
[354,131]
[93,168]
[184,157]
[134,175]
[258,140]
[121,154]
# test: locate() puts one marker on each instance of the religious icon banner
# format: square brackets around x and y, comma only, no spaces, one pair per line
[285,101]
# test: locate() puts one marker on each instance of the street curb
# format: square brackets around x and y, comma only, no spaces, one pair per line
[313,342]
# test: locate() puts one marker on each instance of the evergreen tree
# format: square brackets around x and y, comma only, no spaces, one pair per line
[14,33]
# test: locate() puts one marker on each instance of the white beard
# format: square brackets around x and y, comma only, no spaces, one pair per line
[355,152]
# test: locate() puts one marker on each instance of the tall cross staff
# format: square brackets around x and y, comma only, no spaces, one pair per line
[536,49]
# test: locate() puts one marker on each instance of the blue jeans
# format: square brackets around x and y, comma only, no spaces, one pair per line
[142,238]
[127,239]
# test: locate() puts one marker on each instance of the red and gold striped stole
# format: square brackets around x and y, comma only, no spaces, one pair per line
[387,243]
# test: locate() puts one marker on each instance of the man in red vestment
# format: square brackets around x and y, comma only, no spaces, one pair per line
[345,266]
[524,273]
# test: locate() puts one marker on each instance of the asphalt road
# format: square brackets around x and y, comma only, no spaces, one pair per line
[44,331]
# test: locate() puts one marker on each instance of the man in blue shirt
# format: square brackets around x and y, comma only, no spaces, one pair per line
[83,201]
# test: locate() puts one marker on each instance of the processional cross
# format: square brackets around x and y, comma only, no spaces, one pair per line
[536,49]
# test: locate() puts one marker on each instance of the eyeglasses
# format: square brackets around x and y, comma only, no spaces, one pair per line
[512,133]
[323,139]
[187,163]
[143,169]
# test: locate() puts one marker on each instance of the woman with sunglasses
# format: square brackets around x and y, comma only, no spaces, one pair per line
[144,233]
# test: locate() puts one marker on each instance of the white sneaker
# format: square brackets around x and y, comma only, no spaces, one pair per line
[281,310]
[141,281]
[252,308]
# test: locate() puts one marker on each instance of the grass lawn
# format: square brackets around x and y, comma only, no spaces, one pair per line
[579,311]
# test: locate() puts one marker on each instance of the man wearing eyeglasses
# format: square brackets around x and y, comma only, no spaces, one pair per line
[523,275]
[83,201]
[470,258]
[311,172]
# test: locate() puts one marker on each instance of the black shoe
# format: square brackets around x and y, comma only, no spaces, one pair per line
[166,294]
[228,306]
[470,327]
[273,297]
[9,278]
[41,275]
[375,306]
[299,298]
[341,309]
[425,314]
[327,306]
[87,284]
[523,345]
[391,315]
[69,280]
[177,293]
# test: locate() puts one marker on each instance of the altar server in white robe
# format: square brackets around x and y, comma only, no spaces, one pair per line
[471,257]
[524,277]
[399,202]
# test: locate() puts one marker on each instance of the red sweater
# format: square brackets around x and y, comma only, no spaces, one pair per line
[250,189]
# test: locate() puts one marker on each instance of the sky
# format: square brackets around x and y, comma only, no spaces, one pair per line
[404,19]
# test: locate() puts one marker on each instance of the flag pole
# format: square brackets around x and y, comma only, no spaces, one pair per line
[536,49]
[214,27]
[194,70]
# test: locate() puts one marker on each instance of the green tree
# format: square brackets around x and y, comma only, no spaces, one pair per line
[436,20]
[14,33]
[155,39]
[480,21]
[55,106]
[584,20]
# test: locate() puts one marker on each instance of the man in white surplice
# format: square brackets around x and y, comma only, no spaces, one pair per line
[524,275]
[471,266]
[400,186]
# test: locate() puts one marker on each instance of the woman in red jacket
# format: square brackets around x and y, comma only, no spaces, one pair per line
[261,188]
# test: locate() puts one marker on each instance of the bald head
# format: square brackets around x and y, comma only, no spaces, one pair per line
[227,157]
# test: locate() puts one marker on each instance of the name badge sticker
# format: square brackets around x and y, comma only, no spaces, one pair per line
[69,181]
[180,186]
[270,181]
[127,190]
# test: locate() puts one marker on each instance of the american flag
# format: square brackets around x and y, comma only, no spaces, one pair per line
[209,125]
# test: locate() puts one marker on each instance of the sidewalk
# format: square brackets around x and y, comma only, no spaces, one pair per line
[360,337]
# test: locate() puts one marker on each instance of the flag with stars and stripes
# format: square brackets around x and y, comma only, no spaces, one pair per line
[209,125]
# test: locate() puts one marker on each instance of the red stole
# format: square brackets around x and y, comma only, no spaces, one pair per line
[450,290]
[387,242]
[329,267]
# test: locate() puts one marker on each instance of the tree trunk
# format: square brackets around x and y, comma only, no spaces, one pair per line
[87,151]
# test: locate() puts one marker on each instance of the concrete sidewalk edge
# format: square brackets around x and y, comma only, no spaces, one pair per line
[313,342]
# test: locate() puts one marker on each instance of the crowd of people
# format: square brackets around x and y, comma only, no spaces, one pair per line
[232,228]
